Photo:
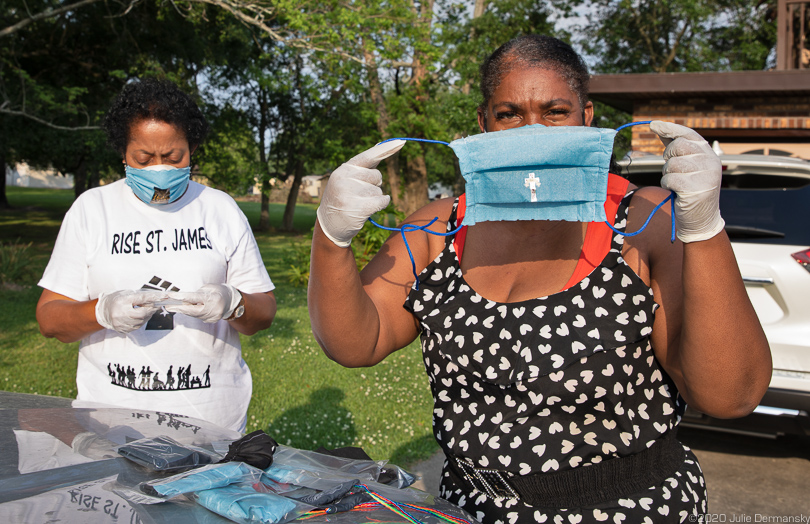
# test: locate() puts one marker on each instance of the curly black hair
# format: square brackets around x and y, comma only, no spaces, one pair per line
[153,99]
[536,51]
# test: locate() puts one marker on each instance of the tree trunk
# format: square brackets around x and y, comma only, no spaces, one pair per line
[459,186]
[3,200]
[289,209]
[264,213]
[80,182]
[479,9]
[93,179]
[414,176]
[392,171]
[383,119]
[415,183]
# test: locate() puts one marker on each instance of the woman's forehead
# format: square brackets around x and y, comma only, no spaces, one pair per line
[153,130]
[534,82]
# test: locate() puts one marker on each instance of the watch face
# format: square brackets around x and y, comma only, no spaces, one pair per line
[239,312]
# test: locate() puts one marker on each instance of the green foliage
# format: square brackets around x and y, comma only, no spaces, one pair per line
[370,238]
[300,397]
[469,40]
[15,265]
[365,245]
[627,36]
[609,117]
[229,157]
[746,39]
[30,363]
[297,261]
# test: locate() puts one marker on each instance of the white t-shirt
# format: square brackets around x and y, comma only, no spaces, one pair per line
[109,241]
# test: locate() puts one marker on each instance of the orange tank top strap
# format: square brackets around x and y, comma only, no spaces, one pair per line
[597,237]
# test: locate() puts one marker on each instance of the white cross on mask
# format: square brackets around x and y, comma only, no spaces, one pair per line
[532,183]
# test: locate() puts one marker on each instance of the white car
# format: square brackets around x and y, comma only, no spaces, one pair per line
[765,201]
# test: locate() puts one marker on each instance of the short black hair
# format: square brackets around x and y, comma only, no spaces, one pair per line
[539,51]
[153,99]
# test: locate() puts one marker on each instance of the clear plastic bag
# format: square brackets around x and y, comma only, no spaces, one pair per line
[243,504]
[316,470]
[206,477]
[164,453]
[401,478]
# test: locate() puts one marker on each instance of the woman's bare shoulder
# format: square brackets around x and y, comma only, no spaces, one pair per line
[439,208]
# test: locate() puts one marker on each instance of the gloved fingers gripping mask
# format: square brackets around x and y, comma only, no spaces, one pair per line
[160,184]
[533,173]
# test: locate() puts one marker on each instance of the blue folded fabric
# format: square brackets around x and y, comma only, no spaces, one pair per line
[243,504]
[208,477]
[536,173]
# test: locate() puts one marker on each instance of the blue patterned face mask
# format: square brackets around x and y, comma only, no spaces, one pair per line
[158,184]
[536,173]
[510,152]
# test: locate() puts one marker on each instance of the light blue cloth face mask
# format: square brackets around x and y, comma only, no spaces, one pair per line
[536,173]
[158,184]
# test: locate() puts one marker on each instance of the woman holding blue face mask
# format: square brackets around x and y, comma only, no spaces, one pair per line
[560,356]
[156,275]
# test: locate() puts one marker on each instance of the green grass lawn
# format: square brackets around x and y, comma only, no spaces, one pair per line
[300,397]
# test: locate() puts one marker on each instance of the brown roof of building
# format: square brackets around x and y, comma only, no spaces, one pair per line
[623,90]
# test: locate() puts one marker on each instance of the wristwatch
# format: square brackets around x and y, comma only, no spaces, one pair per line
[239,311]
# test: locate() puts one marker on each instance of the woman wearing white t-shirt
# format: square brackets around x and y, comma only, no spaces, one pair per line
[157,275]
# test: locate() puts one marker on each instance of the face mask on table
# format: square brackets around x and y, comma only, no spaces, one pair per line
[160,184]
[536,173]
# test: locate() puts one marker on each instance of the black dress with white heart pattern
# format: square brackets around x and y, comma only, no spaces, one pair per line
[549,384]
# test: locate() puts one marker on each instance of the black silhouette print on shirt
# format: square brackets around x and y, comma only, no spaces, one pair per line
[148,379]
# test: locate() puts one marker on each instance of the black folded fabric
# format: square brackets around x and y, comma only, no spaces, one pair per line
[255,449]
[349,452]
[163,453]
[327,496]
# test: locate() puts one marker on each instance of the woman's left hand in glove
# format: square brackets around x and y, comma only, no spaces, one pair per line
[211,303]
[693,171]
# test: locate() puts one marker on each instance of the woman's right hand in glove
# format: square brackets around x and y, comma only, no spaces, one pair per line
[124,311]
[353,194]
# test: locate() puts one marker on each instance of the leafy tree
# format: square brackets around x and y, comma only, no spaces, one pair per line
[229,157]
[679,35]
[59,74]
[747,40]
[468,40]
[417,73]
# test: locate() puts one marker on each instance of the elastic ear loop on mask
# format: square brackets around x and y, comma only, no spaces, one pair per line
[671,198]
[410,227]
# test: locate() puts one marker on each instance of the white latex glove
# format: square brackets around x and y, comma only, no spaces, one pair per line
[125,311]
[211,303]
[353,194]
[693,171]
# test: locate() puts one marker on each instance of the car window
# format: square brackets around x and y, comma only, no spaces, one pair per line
[762,209]
[770,213]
